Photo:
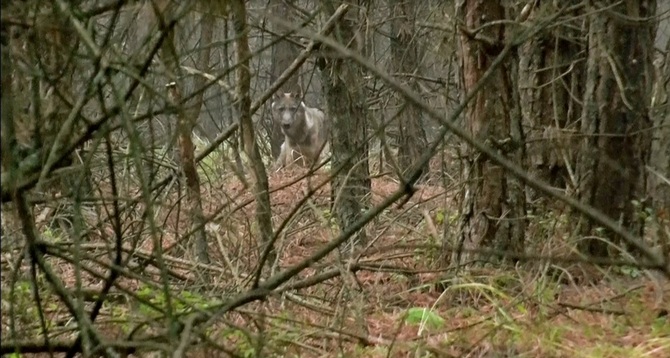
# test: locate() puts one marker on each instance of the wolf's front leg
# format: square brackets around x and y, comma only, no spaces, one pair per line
[281,160]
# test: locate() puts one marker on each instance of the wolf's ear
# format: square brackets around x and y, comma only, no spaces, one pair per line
[297,94]
[275,99]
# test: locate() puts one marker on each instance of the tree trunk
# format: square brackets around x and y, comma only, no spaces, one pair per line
[405,54]
[283,54]
[8,143]
[346,106]
[7,131]
[187,116]
[247,132]
[185,126]
[234,141]
[615,119]
[488,205]
[551,71]
[659,188]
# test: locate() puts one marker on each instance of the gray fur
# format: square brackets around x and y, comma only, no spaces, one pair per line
[305,131]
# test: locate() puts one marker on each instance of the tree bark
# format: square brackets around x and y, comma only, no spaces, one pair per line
[247,132]
[7,129]
[405,53]
[615,119]
[489,205]
[187,116]
[551,71]
[346,106]
[659,189]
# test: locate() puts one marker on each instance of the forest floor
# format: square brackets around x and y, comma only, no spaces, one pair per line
[399,302]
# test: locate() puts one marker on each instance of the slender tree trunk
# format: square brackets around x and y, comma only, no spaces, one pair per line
[283,54]
[615,120]
[234,141]
[185,126]
[202,63]
[7,129]
[405,52]
[659,188]
[247,132]
[488,203]
[186,144]
[346,106]
[187,116]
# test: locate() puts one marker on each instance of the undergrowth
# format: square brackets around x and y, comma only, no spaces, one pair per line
[400,302]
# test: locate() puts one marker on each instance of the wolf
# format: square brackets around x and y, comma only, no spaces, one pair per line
[305,130]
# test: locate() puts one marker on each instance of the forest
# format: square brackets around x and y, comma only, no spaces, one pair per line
[335,178]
